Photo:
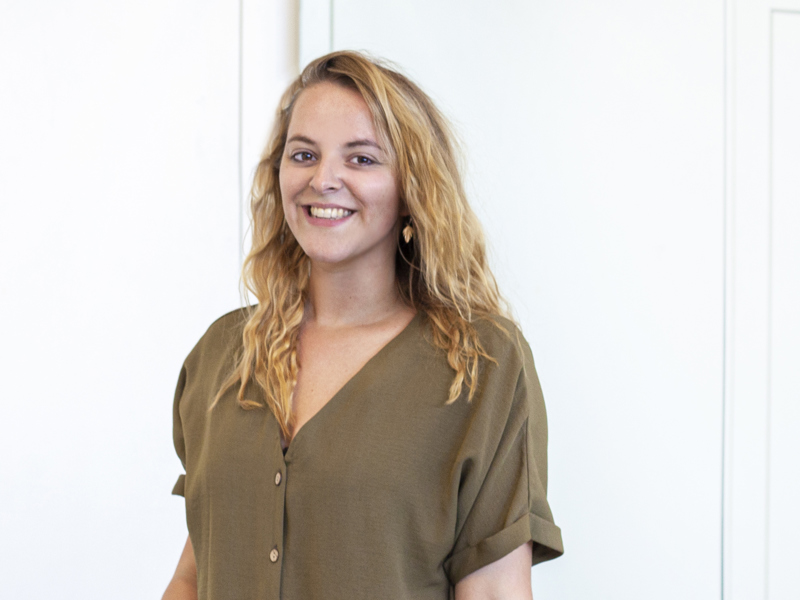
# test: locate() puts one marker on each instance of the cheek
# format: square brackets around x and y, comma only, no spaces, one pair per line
[288,186]
[385,198]
[282,183]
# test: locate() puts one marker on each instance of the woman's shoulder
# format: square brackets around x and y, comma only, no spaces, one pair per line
[502,339]
[230,322]
[221,337]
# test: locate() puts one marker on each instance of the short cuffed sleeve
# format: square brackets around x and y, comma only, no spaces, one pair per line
[177,431]
[510,506]
[177,489]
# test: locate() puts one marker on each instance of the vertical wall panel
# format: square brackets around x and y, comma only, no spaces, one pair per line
[761,389]
[269,54]
[594,134]
[784,399]
[746,340]
[316,29]
[119,227]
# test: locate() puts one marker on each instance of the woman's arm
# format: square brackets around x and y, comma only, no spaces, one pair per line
[184,583]
[506,579]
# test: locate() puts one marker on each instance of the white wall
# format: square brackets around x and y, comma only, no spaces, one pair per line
[120,161]
[784,449]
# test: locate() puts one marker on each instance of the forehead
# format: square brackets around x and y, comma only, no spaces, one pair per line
[330,110]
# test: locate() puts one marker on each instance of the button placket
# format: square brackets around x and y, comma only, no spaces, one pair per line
[278,473]
[280,470]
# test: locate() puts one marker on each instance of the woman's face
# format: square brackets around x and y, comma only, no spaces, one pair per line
[339,193]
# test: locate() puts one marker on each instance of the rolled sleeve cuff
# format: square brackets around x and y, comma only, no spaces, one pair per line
[177,490]
[547,544]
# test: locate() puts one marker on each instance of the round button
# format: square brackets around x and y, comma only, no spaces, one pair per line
[273,556]
[278,478]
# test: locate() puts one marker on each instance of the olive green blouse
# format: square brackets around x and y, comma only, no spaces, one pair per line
[387,492]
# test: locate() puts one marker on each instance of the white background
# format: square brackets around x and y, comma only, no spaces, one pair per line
[634,164]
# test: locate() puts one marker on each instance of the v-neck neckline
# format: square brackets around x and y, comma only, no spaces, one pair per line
[385,349]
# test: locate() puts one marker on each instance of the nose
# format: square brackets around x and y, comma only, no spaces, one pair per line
[326,177]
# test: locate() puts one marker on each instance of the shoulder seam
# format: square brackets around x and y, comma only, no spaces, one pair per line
[227,314]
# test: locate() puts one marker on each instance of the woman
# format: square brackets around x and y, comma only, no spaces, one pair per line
[374,427]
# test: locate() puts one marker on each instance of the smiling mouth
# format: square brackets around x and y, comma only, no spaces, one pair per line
[328,213]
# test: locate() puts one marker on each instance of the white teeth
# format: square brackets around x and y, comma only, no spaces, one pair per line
[329,213]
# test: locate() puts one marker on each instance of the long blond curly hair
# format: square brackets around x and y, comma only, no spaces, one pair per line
[442,272]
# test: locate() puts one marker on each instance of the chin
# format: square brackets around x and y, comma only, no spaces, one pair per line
[326,256]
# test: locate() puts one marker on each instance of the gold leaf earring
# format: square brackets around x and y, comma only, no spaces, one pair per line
[408,232]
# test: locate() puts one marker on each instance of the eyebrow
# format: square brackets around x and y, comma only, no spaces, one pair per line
[300,138]
[364,142]
[353,144]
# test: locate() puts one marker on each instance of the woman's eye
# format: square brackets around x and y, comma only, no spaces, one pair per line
[363,160]
[302,156]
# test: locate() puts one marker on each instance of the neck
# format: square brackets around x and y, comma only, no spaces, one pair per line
[348,296]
